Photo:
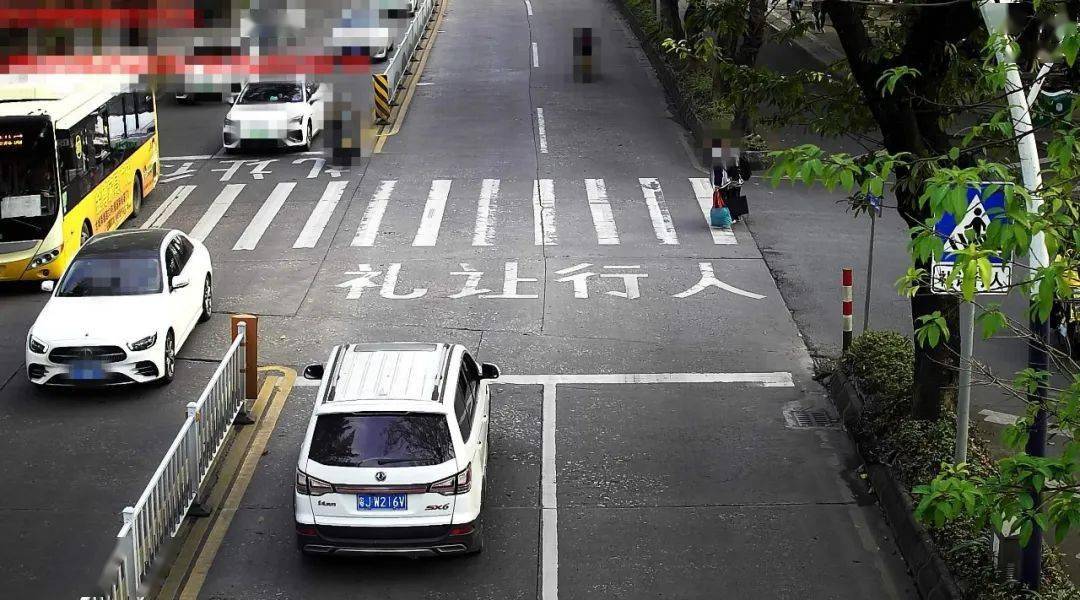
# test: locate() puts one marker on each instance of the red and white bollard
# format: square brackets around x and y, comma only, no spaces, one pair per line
[846,296]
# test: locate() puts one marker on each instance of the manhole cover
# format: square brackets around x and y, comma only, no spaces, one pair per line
[800,418]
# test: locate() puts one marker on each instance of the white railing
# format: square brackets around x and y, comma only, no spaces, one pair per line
[173,490]
[395,68]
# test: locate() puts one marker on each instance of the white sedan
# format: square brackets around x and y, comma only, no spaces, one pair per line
[126,304]
[280,114]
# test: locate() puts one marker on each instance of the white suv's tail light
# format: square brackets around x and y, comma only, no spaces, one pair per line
[455,484]
[307,485]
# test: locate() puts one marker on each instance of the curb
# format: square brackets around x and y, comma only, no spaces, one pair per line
[927,568]
[667,78]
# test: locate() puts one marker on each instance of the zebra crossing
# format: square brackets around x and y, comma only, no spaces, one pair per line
[552,202]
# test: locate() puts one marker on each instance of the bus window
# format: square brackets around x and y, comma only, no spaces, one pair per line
[106,158]
[29,196]
[77,160]
[130,119]
[144,105]
[117,126]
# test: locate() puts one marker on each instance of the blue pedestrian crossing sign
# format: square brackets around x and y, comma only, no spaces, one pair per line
[983,208]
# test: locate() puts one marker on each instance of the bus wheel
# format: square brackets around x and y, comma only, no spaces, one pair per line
[136,197]
[86,233]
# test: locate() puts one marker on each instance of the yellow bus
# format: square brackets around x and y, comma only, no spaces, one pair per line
[77,157]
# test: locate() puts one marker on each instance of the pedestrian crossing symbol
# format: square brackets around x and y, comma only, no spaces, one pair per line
[983,208]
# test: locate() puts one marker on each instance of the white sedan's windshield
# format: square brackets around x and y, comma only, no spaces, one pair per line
[111,276]
[272,93]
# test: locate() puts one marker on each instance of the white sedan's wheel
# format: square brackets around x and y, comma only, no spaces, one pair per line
[207,301]
[168,362]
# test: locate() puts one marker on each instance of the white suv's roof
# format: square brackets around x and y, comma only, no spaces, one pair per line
[363,374]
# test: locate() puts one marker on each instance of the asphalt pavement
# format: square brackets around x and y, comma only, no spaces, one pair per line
[554,228]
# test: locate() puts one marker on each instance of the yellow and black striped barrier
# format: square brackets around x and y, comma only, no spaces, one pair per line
[382,98]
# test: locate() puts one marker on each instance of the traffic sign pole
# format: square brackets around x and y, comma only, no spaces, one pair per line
[963,401]
[995,15]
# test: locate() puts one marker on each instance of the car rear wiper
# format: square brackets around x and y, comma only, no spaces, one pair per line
[391,461]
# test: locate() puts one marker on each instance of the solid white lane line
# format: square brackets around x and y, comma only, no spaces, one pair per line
[549,525]
[549,521]
[603,221]
[658,211]
[168,207]
[544,213]
[485,209]
[768,379]
[542,132]
[217,209]
[258,225]
[312,231]
[703,190]
[528,7]
[194,157]
[536,56]
[369,223]
[428,232]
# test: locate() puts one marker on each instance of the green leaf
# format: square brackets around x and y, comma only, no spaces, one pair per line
[954,153]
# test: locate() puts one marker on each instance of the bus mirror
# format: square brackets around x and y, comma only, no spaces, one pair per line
[48,286]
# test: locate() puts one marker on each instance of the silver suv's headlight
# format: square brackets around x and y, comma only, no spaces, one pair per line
[45,258]
[36,346]
[143,344]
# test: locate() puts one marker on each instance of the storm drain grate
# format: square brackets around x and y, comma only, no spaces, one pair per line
[800,418]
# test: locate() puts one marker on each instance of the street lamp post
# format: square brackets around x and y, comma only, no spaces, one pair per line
[995,14]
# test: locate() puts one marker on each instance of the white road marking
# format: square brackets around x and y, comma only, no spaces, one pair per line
[228,173]
[428,232]
[548,495]
[603,221]
[258,225]
[549,519]
[168,207]
[369,223]
[1000,418]
[303,382]
[766,379]
[544,213]
[528,7]
[703,190]
[194,157]
[312,231]
[536,56]
[549,510]
[485,208]
[658,211]
[217,209]
[541,130]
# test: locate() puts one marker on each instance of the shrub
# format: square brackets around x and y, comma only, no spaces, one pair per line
[882,363]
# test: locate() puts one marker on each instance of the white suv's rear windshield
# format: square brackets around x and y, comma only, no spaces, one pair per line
[381,440]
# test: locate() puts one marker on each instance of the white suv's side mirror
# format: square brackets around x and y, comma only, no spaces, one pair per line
[313,372]
[48,286]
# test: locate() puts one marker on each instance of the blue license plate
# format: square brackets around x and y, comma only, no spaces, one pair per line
[84,370]
[382,502]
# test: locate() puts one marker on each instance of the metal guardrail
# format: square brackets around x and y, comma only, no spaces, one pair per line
[394,70]
[174,488]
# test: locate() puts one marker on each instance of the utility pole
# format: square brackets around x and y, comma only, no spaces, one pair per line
[995,16]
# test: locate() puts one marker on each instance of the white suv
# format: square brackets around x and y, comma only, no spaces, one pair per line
[395,453]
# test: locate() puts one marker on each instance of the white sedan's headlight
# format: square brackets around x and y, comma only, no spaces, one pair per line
[143,344]
[35,345]
[229,122]
[297,120]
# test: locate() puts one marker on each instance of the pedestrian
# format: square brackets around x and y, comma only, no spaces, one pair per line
[794,8]
[818,8]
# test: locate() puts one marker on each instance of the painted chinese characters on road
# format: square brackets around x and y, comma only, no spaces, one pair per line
[582,280]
